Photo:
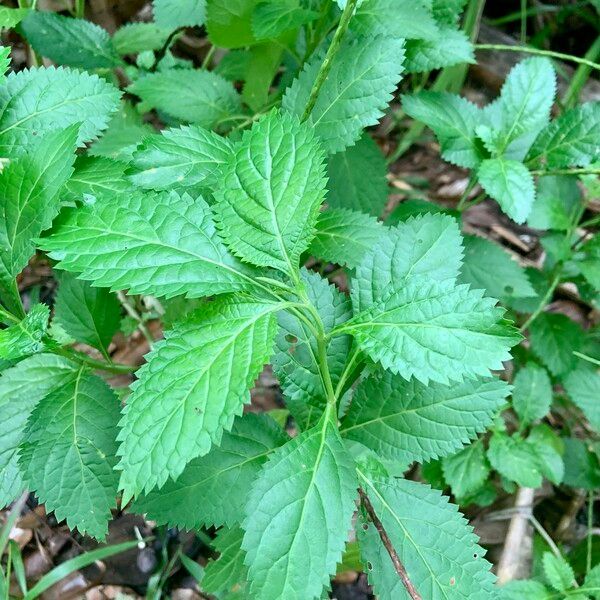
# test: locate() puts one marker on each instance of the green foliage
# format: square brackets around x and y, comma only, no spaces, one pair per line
[185,156]
[433,541]
[89,314]
[305,492]
[203,97]
[532,394]
[168,242]
[219,193]
[406,421]
[72,430]
[488,267]
[25,338]
[360,85]
[171,14]
[348,187]
[269,202]
[69,42]
[39,100]
[177,412]
[29,201]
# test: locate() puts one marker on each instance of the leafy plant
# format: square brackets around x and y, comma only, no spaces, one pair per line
[212,222]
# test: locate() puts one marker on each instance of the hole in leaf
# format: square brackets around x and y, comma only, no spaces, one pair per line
[369,566]
[365,527]
[291,339]
[509,289]
[452,580]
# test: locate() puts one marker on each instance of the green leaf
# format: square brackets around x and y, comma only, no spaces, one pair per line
[428,247]
[394,18]
[21,388]
[177,410]
[515,459]
[570,140]
[453,120]
[345,237]
[583,387]
[588,261]
[449,47]
[212,489]
[357,178]
[4,62]
[70,42]
[202,97]
[166,245]
[25,337]
[263,65]
[228,573]
[360,84]
[510,184]
[467,470]
[433,540]
[229,22]
[72,431]
[591,583]
[299,514]
[29,198]
[487,266]
[554,338]
[171,14]
[556,203]
[523,108]
[271,191]
[405,421]
[447,11]
[296,364]
[435,331]
[90,314]
[272,18]
[186,156]
[125,131]
[517,590]
[532,394]
[94,176]
[582,468]
[35,101]
[138,37]
[10,17]
[558,572]
[549,449]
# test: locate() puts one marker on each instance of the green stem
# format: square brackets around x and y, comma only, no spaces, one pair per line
[546,536]
[587,358]
[133,313]
[12,299]
[523,21]
[333,49]
[465,194]
[208,57]
[573,171]
[347,373]
[84,359]
[543,302]
[590,524]
[79,9]
[581,76]
[539,52]
[6,316]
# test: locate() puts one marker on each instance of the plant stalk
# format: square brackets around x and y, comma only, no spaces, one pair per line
[539,52]
[387,543]
[581,76]
[333,49]
[84,359]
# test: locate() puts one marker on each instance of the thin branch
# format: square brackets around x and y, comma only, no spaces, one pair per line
[538,52]
[161,53]
[328,60]
[410,588]
[133,313]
